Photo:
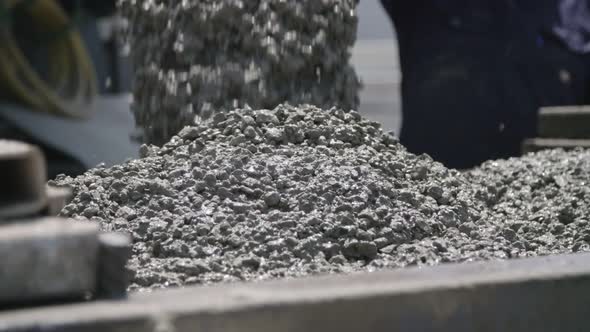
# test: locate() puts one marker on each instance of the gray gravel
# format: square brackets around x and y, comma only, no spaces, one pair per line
[538,204]
[193,57]
[260,194]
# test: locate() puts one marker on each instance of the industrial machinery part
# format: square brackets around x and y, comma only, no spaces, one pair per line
[568,122]
[542,294]
[47,259]
[69,87]
[564,127]
[23,192]
[539,144]
[22,174]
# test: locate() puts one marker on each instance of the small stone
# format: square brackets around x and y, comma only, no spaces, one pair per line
[360,250]
[238,140]
[275,134]
[210,179]
[190,267]
[338,260]
[330,249]
[509,234]
[90,212]
[441,246]
[388,249]
[272,199]
[381,242]
[189,133]
[144,151]
[249,132]
[196,147]
[265,117]
[252,262]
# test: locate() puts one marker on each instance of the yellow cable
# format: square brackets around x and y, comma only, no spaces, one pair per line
[71,87]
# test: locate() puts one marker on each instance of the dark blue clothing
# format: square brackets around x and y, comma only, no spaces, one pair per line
[475,72]
[569,20]
[573,25]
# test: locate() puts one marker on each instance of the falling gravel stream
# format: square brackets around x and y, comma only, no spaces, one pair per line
[194,57]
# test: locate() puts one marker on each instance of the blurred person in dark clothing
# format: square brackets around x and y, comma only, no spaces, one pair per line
[475,73]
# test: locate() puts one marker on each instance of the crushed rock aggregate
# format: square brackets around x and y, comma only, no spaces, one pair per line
[295,191]
[193,57]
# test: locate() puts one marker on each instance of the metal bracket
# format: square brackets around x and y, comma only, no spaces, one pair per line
[47,259]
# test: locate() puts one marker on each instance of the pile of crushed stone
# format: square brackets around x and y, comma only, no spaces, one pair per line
[539,204]
[289,192]
[193,57]
[535,205]
[259,194]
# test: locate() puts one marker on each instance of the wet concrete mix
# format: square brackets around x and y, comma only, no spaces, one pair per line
[295,191]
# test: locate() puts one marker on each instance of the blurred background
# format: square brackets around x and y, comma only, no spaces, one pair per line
[104,137]
[477,77]
[375,58]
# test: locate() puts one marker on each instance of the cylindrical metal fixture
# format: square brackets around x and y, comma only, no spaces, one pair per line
[22,180]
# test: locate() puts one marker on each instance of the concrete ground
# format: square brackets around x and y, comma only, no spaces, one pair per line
[105,138]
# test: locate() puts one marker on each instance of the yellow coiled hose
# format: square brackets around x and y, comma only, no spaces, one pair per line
[70,87]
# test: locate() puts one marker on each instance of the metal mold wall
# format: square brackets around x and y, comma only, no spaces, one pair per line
[539,294]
